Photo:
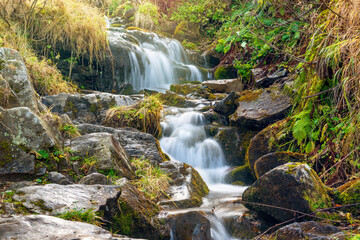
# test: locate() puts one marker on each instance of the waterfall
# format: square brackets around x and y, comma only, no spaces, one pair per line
[148,61]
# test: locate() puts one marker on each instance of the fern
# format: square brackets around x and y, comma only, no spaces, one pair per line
[302,126]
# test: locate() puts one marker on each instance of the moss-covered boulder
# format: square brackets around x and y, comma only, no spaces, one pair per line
[224,86]
[273,160]
[263,143]
[187,187]
[228,105]
[257,109]
[240,176]
[173,99]
[293,186]
[350,194]
[234,144]
[225,72]
[186,89]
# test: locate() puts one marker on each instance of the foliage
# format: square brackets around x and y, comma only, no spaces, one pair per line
[147,16]
[152,180]
[81,215]
[70,131]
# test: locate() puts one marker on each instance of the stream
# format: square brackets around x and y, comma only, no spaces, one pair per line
[148,61]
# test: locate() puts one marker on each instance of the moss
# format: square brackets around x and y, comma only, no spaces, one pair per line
[225,72]
[41,205]
[93,108]
[70,107]
[249,95]
[6,153]
[125,221]
[241,176]
[172,99]
[185,89]
[351,195]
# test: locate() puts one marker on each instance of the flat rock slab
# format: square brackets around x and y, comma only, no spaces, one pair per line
[35,227]
[259,108]
[54,198]
[226,85]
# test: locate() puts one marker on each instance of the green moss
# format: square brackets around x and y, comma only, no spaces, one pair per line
[93,108]
[185,89]
[351,195]
[124,222]
[6,153]
[249,95]
[225,72]
[172,99]
[70,107]
[241,176]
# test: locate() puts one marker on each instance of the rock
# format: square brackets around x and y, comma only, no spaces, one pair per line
[86,108]
[18,84]
[225,72]
[186,89]
[227,85]
[106,151]
[58,178]
[248,226]
[273,160]
[268,80]
[309,230]
[234,144]
[240,176]
[54,199]
[260,144]
[95,178]
[212,58]
[135,143]
[173,99]
[228,105]
[259,108]
[190,225]
[21,184]
[350,194]
[136,216]
[21,131]
[215,118]
[34,227]
[187,187]
[293,186]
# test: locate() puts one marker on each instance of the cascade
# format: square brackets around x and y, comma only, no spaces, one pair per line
[148,61]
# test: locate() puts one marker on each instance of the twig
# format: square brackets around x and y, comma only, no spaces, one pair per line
[322,175]
[319,93]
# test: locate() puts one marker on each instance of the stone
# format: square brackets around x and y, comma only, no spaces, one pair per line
[190,225]
[95,178]
[186,89]
[187,187]
[106,151]
[53,199]
[58,178]
[275,159]
[228,105]
[292,186]
[18,83]
[257,109]
[248,226]
[226,85]
[240,176]
[212,117]
[86,108]
[350,194]
[137,144]
[310,231]
[34,227]
[170,98]
[225,71]
[269,79]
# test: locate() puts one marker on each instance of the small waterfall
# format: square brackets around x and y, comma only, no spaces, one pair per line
[148,61]
[185,140]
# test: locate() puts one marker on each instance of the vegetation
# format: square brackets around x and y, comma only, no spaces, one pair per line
[81,215]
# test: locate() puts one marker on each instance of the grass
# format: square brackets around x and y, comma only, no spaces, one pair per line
[151,180]
[144,116]
[81,215]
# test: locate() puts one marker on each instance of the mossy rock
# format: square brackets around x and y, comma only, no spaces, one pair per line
[185,89]
[240,176]
[225,72]
[172,99]
[350,194]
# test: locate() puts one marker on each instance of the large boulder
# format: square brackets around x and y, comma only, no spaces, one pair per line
[228,105]
[86,108]
[187,187]
[275,159]
[291,186]
[106,151]
[259,108]
[240,176]
[267,80]
[226,85]
[190,225]
[137,144]
[53,199]
[21,131]
[18,86]
[34,227]
[170,98]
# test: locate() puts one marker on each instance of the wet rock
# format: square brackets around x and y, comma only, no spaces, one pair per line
[228,105]
[135,143]
[268,80]
[136,216]
[190,226]
[212,58]
[273,160]
[248,226]
[293,186]
[186,89]
[215,118]
[187,187]
[260,143]
[58,178]
[350,194]
[55,199]
[257,109]
[226,85]
[240,176]
[225,72]
[106,151]
[86,108]
[95,178]
[173,99]
[33,227]
[309,230]
[234,144]
[18,87]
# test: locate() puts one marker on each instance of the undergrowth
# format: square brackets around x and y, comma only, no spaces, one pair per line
[81,215]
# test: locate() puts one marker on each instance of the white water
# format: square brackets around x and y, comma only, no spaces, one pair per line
[185,140]
[148,61]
